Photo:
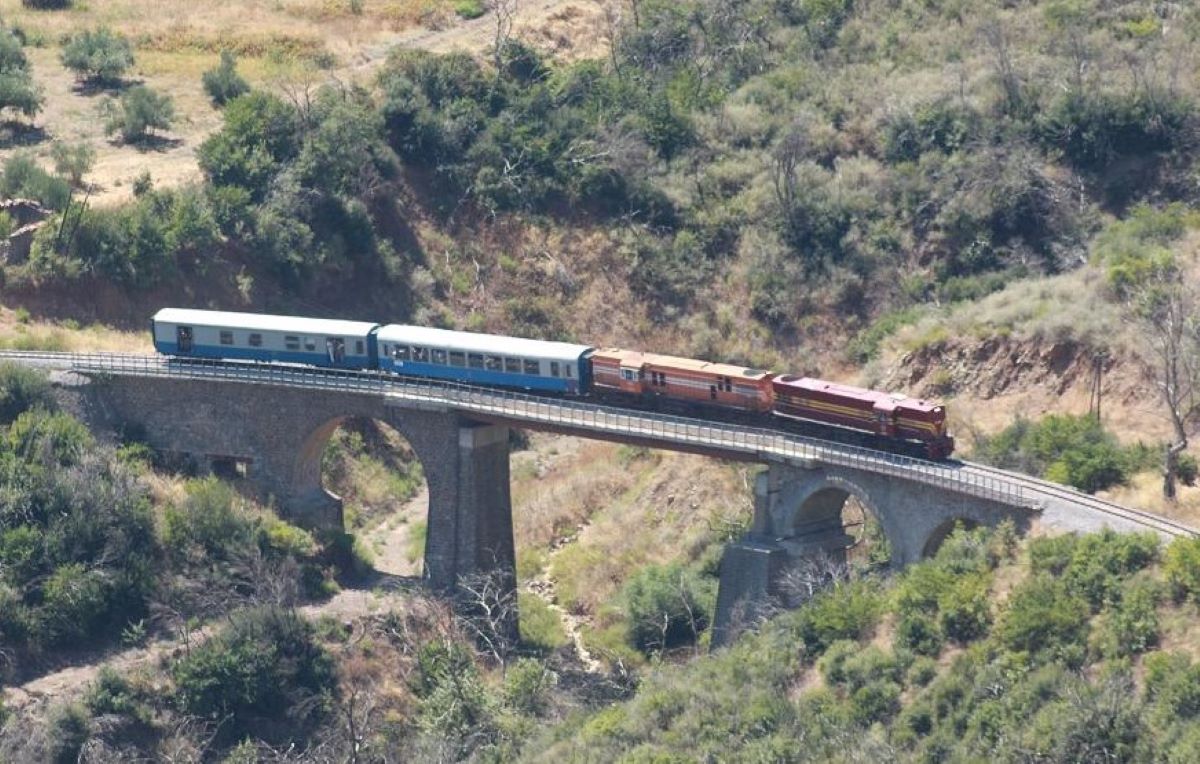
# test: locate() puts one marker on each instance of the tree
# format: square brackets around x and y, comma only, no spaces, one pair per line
[260,134]
[223,84]
[138,114]
[73,160]
[17,90]
[1166,310]
[488,602]
[98,56]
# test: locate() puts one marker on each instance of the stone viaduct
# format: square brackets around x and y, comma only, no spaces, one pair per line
[277,436]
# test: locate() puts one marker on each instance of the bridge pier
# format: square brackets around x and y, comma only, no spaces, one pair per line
[470,526]
[797,514]
[279,434]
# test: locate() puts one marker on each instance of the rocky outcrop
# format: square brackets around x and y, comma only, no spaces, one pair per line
[992,367]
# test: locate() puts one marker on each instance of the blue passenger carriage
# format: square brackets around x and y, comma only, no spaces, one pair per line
[486,359]
[252,336]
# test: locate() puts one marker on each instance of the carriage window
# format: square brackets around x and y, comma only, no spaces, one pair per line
[400,353]
[475,360]
[420,354]
[533,368]
[567,370]
[291,343]
[439,356]
[255,340]
[554,368]
[226,338]
[492,363]
[358,345]
[512,365]
[310,343]
[457,358]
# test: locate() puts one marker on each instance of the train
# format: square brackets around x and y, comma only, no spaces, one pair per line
[870,418]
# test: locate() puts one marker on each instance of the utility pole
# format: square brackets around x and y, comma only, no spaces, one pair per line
[1097,382]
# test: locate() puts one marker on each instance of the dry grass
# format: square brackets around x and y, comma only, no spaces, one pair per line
[1070,306]
[281,44]
[1145,492]
[18,333]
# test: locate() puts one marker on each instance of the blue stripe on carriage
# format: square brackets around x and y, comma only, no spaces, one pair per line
[313,358]
[481,376]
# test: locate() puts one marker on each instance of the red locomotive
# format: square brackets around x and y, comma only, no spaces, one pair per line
[887,415]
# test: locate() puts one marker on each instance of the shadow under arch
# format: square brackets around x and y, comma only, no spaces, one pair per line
[840,517]
[942,532]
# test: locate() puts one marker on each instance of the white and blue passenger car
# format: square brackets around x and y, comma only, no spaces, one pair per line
[253,336]
[487,359]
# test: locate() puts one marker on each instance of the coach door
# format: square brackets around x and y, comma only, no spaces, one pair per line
[335,348]
[183,339]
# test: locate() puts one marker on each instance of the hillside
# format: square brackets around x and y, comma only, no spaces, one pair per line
[960,200]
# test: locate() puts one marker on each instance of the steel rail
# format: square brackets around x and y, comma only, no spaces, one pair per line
[1047,489]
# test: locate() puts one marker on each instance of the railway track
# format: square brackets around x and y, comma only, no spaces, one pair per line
[1044,489]
[971,478]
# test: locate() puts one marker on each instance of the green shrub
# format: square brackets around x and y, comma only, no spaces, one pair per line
[1093,128]
[111,693]
[24,178]
[469,9]
[265,666]
[1043,617]
[541,628]
[454,704]
[98,55]
[1052,554]
[945,125]
[848,611]
[1075,450]
[875,702]
[17,89]
[527,686]
[139,113]
[1101,561]
[223,83]
[920,633]
[22,389]
[1181,567]
[1173,685]
[209,518]
[667,606]
[47,5]
[260,132]
[75,602]
[68,731]
[73,160]
[1130,625]
[964,610]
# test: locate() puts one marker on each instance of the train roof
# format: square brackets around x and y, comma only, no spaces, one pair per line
[262,322]
[638,358]
[474,342]
[861,393]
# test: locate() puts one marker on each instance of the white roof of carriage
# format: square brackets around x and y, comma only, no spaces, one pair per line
[473,342]
[262,322]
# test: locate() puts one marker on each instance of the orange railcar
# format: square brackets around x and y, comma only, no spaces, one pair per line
[686,380]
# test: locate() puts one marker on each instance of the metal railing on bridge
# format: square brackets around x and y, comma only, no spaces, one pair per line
[760,443]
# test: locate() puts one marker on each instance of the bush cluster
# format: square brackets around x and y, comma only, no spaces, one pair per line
[1065,448]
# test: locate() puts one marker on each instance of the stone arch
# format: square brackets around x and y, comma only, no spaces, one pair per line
[939,534]
[819,515]
[309,492]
